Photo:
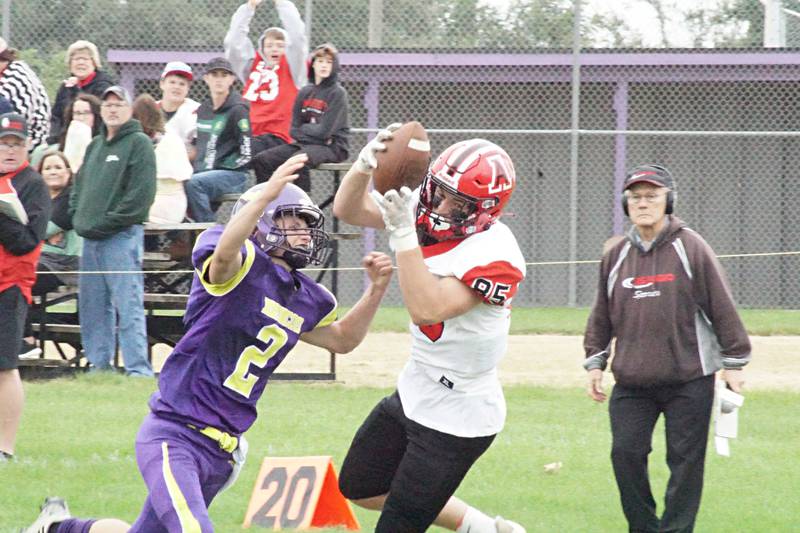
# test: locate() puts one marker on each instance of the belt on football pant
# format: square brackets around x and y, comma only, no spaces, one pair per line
[226,441]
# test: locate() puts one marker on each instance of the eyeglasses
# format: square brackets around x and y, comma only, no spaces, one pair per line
[105,105]
[82,113]
[649,198]
[14,146]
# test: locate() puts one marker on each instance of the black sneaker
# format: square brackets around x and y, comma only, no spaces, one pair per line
[6,457]
[29,350]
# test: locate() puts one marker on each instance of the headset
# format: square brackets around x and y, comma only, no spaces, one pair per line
[664,175]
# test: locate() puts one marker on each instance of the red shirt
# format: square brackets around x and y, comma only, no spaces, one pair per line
[271,93]
[19,270]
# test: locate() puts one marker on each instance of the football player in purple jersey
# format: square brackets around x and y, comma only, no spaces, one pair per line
[248,307]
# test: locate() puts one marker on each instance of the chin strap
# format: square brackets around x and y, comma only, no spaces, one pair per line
[296,257]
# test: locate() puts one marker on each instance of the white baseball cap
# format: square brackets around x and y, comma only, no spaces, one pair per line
[178,68]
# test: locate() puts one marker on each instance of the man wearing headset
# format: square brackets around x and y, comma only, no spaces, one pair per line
[664,297]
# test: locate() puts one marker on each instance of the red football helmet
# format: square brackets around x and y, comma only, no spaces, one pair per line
[477,178]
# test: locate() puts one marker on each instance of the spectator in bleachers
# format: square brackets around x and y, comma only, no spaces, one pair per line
[83,61]
[320,126]
[179,110]
[110,199]
[21,236]
[62,247]
[83,120]
[272,74]
[223,142]
[172,163]
[21,87]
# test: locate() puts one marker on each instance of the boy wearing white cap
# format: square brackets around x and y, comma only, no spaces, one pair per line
[179,111]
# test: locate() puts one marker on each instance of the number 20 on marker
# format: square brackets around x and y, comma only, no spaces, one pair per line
[298,493]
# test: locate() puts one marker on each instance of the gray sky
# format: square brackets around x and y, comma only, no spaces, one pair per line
[641,16]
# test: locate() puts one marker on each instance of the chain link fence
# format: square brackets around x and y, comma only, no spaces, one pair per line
[575,93]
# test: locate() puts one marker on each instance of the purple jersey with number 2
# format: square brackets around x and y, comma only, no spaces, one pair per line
[237,334]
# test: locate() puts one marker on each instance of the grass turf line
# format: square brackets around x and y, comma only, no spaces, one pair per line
[77,436]
[558,320]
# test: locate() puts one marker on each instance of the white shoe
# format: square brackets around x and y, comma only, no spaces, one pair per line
[29,351]
[53,510]
[507,526]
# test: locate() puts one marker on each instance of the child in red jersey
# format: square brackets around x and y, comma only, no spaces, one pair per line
[272,73]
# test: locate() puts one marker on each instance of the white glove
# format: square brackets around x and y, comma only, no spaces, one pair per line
[397,217]
[367,162]
[239,458]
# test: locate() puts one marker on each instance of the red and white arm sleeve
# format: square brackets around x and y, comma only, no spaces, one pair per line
[496,282]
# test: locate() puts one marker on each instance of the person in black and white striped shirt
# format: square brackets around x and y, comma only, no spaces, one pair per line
[23,89]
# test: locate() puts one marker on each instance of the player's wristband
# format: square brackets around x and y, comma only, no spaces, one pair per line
[403,239]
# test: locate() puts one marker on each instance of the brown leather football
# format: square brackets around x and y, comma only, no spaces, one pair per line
[405,160]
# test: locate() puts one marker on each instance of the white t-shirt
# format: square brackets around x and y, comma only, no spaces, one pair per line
[450,383]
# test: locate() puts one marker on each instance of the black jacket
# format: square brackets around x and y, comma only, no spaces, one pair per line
[17,238]
[223,135]
[319,115]
[66,95]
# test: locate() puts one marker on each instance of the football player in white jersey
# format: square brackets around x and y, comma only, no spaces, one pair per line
[458,268]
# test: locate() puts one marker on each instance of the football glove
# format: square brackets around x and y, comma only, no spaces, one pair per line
[397,217]
[367,161]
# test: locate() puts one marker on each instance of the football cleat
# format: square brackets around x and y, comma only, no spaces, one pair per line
[54,510]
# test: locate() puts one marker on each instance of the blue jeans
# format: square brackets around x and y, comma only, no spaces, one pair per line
[207,186]
[104,297]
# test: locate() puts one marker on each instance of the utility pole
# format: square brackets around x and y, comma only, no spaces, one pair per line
[774,24]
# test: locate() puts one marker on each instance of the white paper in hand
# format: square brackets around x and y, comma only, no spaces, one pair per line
[10,204]
[726,417]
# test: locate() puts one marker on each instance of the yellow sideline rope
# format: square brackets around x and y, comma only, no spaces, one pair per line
[349,269]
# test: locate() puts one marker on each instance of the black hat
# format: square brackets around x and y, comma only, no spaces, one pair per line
[219,63]
[13,124]
[653,174]
[118,91]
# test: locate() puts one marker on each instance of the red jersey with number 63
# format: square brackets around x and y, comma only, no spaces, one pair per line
[491,263]
[271,93]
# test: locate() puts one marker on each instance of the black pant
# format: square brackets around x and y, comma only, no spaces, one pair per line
[264,142]
[420,468]
[44,283]
[687,413]
[267,161]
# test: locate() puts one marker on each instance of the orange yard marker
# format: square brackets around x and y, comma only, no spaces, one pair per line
[298,493]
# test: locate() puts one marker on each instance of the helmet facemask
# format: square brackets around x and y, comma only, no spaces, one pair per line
[269,235]
[467,215]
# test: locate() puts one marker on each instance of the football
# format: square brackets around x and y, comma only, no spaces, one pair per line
[405,160]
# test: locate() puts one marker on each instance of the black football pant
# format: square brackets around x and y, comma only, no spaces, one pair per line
[267,161]
[419,467]
[687,412]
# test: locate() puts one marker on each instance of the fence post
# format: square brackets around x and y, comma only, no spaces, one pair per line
[309,13]
[375,36]
[7,20]
[573,163]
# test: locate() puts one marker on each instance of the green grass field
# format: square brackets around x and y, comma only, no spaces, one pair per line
[565,320]
[572,320]
[77,436]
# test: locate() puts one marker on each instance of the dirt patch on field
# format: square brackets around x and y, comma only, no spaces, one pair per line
[551,360]
[548,360]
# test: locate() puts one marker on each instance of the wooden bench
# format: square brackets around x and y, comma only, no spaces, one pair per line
[336,168]
[161,329]
[64,328]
